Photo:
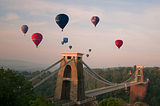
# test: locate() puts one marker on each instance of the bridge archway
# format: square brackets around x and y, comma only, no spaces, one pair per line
[139,74]
[66,90]
[67,72]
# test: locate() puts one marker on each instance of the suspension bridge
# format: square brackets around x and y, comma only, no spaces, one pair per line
[70,82]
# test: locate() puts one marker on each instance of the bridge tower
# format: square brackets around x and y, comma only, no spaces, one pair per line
[138,91]
[70,79]
[139,74]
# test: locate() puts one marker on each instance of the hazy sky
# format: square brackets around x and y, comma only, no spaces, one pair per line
[136,22]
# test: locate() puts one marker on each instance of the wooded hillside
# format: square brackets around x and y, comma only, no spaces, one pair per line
[115,75]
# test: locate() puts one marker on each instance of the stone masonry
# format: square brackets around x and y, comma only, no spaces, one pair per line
[70,79]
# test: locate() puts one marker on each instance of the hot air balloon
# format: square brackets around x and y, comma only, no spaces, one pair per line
[95,20]
[65,40]
[24,29]
[37,38]
[89,50]
[70,47]
[87,55]
[62,42]
[62,20]
[119,43]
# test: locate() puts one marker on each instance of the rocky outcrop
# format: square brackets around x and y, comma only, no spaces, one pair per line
[138,91]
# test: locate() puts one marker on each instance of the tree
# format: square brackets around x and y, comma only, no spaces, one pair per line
[124,72]
[15,90]
[42,101]
[110,102]
[154,101]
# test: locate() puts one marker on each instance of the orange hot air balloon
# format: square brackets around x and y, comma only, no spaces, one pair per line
[119,43]
[37,38]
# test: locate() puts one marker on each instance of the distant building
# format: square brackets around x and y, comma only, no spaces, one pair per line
[129,73]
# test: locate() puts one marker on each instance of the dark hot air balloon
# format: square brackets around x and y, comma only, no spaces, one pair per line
[119,43]
[65,40]
[37,38]
[95,20]
[87,55]
[89,50]
[62,20]
[62,42]
[24,29]
[70,47]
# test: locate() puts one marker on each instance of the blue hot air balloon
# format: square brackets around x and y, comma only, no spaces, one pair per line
[89,50]
[70,47]
[62,20]
[65,40]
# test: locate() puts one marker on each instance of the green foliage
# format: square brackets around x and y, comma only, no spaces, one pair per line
[15,90]
[48,87]
[41,101]
[116,75]
[154,102]
[110,102]
[152,98]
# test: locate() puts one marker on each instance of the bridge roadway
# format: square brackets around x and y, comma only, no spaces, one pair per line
[99,91]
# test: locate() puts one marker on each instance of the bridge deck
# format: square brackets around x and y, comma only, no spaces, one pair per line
[99,91]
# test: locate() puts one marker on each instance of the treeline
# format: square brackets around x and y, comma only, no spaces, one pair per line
[15,90]
[115,75]
[47,87]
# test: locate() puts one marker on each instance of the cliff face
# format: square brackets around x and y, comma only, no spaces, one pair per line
[119,102]
[138,91]
[136,104]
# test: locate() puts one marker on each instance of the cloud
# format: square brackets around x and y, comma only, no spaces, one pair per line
[11,16]
[149,18]
[138,26]
[46,8]
[36,23]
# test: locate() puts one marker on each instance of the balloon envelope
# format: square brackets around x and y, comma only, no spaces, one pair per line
[70,47]
[95,20]
[24,29]
[119,43]
[62,20]
[89,50]
[37,38]
[87,55]
[62,42]
[65,40]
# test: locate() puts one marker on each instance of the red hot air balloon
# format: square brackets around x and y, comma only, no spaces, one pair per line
[37,38]
[24,29]
[95,20]
[119,43]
